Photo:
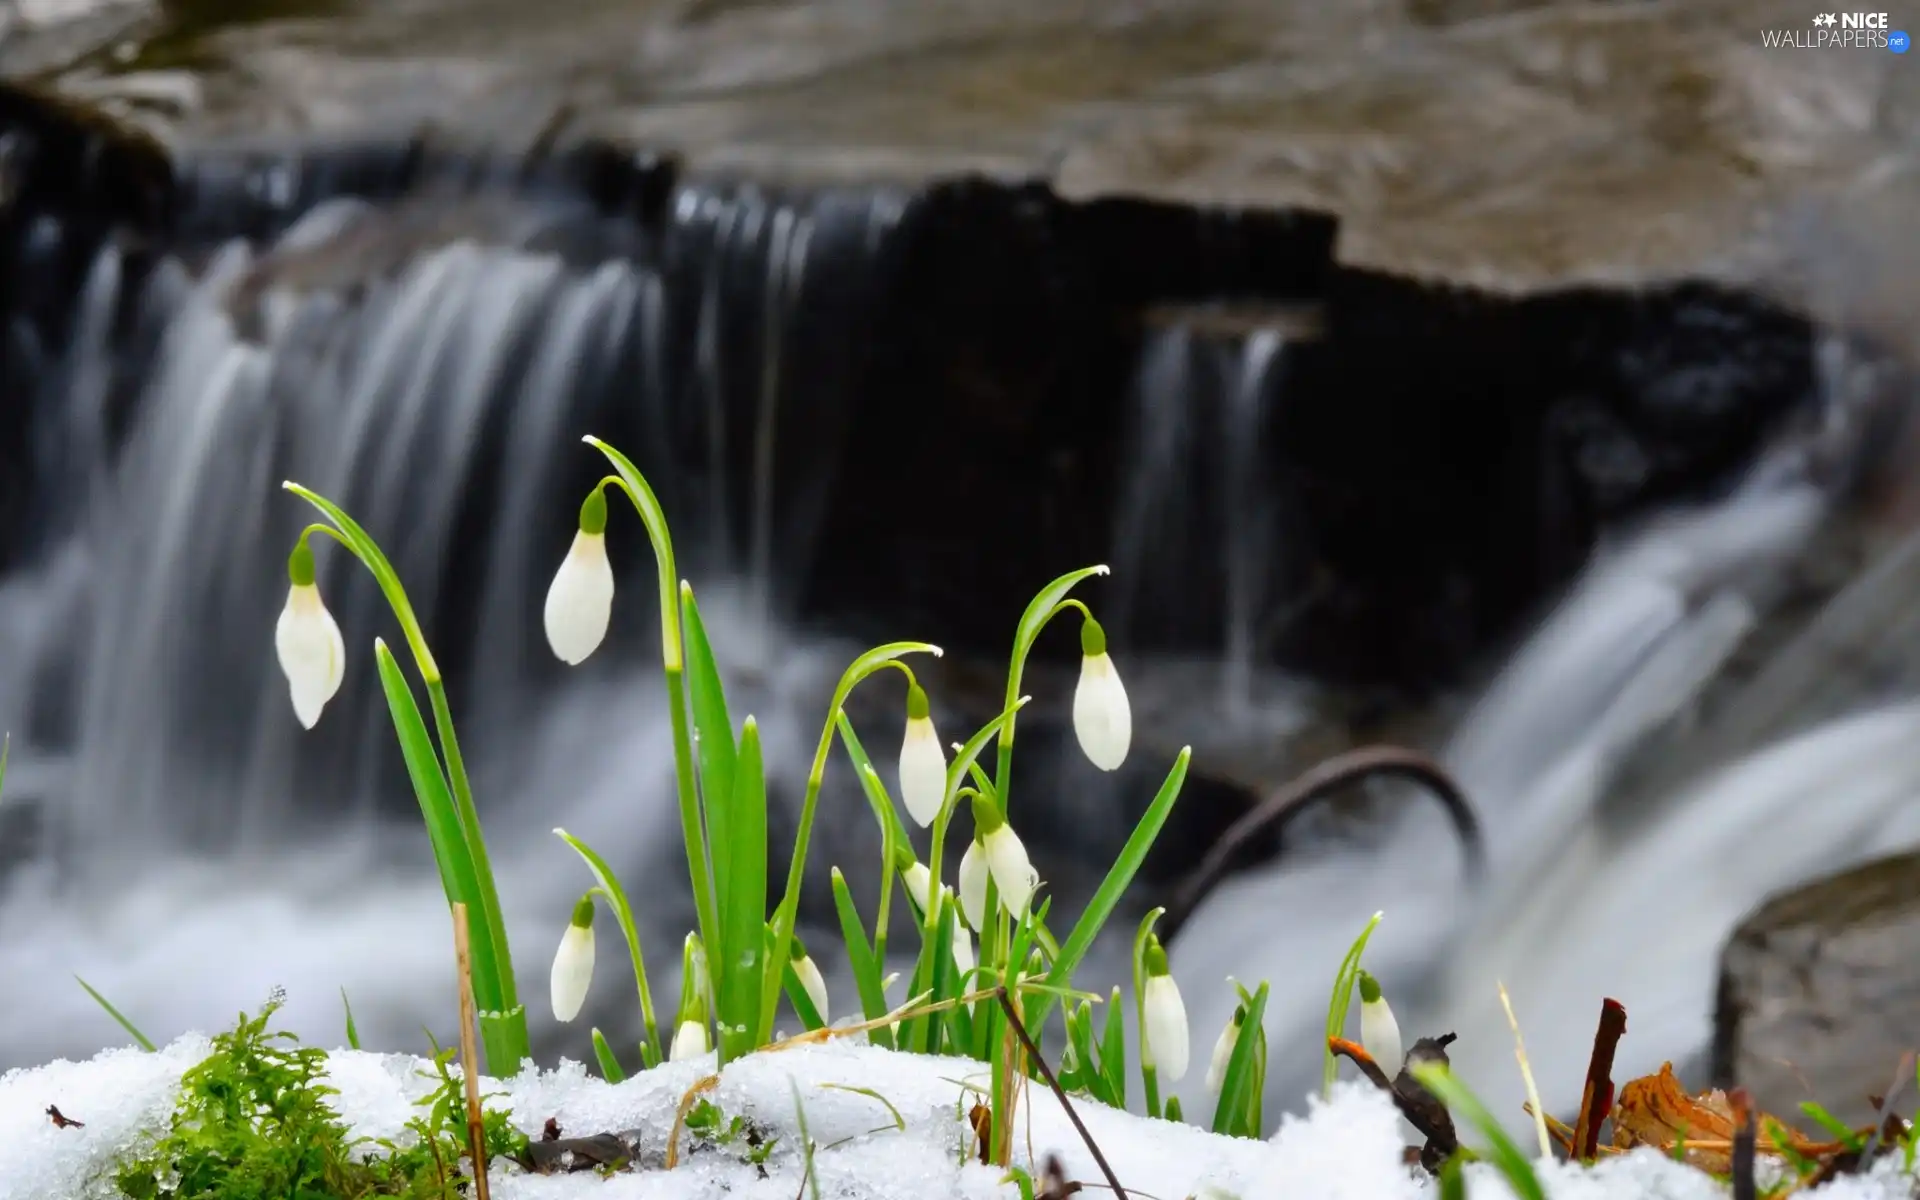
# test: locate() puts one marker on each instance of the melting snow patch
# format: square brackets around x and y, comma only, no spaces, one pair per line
[1347,1148]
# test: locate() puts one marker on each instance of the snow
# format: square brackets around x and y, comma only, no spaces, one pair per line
[1348,1148]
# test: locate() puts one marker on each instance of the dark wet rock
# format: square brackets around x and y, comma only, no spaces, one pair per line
[1820,991]
[69,179]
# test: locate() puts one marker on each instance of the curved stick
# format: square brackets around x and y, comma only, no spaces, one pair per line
[1317,783]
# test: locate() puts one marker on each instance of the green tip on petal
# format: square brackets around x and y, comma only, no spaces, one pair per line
[1369,989]
[1154,959]
[583,912]
[902,858]
[986,816]
[300,564]
[1093,639]
[796,952]
[593,512]
[917,708]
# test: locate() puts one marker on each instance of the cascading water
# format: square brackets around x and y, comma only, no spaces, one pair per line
[430,363]
[1609,876]
[194,847]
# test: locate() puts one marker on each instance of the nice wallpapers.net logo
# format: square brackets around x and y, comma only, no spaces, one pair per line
[1840,31]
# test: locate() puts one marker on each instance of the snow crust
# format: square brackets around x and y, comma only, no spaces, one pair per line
[1348,1148]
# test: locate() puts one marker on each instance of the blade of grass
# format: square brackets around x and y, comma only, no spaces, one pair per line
[714,743]
[1342,998]
[1502,1150]
[745,901]
[1114,886]
[133,1031]
[860,958]
[610,1068]
[1113,1050]
[353,1034]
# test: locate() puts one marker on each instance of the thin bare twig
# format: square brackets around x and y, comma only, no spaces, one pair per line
[1046,1072]
[1745,1186]
[1316,783]
[469,1053]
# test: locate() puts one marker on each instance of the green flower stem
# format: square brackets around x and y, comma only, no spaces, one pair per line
[616,897]
[789,908]
[1048,604]
[628,478]
[345,530]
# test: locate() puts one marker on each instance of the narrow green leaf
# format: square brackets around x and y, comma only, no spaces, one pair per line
[1113,1050]
[1338,1003]
[878,800]
[744,933]
[610,1068]
[861,960]
[444,832]
[1843,1133]
[1504,1152]
[714,728]
[1238,1086]
[353,1034]
[139,1038]
[1119,878]
[623,916]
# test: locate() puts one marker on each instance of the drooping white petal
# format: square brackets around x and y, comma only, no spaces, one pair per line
[1012,870]
[1166,1027]
[1223,1054]
[1380,1035]
[313,656]
[689,1041]
[808,972]
[973,886]
[580,599]
[919,884]
[572,972]
[1101,718]
[963,958]
[923,771]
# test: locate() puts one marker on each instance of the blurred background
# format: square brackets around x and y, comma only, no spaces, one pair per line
[1523,382]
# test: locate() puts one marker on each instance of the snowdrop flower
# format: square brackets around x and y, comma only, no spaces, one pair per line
[580,599]
[919,883]
[1379,1032]
[573,963]
[923,764]
[1163,1025]
[307,639]
[808,973]
[1223,1050]
[1007,862]
[690,1040]
[973,884]
[1101,719]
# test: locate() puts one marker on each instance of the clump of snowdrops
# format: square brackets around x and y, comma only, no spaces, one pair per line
[744,956]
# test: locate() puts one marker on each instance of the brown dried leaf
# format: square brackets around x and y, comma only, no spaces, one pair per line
[1655,1110]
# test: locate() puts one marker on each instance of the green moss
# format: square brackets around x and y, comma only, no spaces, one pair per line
[254,1122]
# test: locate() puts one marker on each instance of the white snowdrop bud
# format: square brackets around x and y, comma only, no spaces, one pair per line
[919,884]
[580,599]
[573,963]
[808,973]
[1006,856]
[1101,719]
[313,656]
[1223,1050]
[973,884]
[1379,1032]
[689,1041]
[923,764]
[1164,1032]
